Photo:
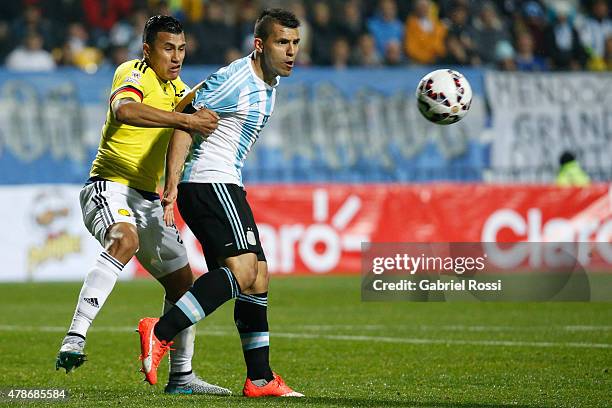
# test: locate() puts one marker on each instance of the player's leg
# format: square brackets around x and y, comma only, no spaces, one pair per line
[210,219]
[251,316]
[163,254]
[107,215]
[208,292]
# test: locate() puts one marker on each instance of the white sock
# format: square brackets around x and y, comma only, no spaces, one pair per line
[182,349]
[97,286]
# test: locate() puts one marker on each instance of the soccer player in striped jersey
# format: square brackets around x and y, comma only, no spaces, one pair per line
[212,200]
[120,205]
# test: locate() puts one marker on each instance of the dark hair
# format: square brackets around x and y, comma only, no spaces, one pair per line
[263,25]
[160,24]
[566,157]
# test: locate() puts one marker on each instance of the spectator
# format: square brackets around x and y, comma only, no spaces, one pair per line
[6,41]
[366,54]
[564,47]
[352,25]
[129,33]
[303,57]
[533,19]
[489,30]
[447,6]
[32,20]
[61,12]
[393,54]
[597,29]
[385,27]
[525,59]
[504,56]
[75,42]
[77,37]
[118,55]
[604,63]
[31,56]
[232,54]
[247,14]
[102,15]
[193,50]
[425,35]
[324,34]
[459,40]
[341,53]
[570,172]
[214,35]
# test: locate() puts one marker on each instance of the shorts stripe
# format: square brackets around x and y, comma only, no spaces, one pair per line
[233,208]
[231,216]
[261,301]
[102,187]
[98,200]
[190,306]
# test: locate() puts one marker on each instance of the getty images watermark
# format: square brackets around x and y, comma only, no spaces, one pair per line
[524,271]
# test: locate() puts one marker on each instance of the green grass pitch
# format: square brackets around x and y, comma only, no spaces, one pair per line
[329,345]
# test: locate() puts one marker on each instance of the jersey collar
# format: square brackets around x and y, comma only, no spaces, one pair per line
[257,78]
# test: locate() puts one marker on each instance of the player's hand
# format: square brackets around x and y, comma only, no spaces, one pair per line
[167,202]
[204,121]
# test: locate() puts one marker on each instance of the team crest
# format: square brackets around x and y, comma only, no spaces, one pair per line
[250,235]
[134,77]
[124,212]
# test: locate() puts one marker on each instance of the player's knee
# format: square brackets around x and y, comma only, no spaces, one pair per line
[177,283]
[244,268]
[122,241]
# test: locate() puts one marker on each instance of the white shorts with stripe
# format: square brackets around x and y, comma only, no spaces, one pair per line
[104,203]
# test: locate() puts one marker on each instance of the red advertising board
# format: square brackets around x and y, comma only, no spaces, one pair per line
[320,228]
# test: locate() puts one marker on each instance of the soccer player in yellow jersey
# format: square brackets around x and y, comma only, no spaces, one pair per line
[120,205]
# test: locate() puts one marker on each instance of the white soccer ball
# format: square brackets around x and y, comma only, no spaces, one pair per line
[444,96]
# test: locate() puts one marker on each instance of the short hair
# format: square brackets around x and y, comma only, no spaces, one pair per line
[263,25]
[160,24]
[566,157]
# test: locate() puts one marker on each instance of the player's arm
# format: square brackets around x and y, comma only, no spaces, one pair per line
[178,148]
[134,113]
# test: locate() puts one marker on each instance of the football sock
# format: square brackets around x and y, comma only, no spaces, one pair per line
[97,286]
[208,292]
[183,378]
[251,318]
[181,352]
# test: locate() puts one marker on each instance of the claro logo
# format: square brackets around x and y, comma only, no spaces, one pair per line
[583,234]
[320,244]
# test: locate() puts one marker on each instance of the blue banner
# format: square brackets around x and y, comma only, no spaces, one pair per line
[328,125]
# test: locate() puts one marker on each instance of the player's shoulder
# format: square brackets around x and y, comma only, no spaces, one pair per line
[135,65]
[135,72]
[234,68]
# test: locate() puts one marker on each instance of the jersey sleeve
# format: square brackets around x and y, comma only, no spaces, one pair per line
[220,92]
[129,82]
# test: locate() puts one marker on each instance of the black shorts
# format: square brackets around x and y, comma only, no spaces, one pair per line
[221,219]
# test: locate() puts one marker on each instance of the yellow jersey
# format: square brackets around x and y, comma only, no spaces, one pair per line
[132,155]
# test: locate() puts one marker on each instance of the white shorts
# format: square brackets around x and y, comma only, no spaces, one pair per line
[105,203]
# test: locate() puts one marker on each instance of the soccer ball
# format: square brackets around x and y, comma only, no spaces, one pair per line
[444,96]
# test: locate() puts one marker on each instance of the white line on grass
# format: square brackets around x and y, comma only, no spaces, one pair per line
[373,339]
[454,327]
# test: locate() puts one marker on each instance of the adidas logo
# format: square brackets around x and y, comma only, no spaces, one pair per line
[92,301]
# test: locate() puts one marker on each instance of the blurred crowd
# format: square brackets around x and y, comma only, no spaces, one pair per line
[522,35]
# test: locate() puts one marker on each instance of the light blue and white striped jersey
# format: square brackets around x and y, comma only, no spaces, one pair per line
[244,103]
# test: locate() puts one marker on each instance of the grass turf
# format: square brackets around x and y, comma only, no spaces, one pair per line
[328,344]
